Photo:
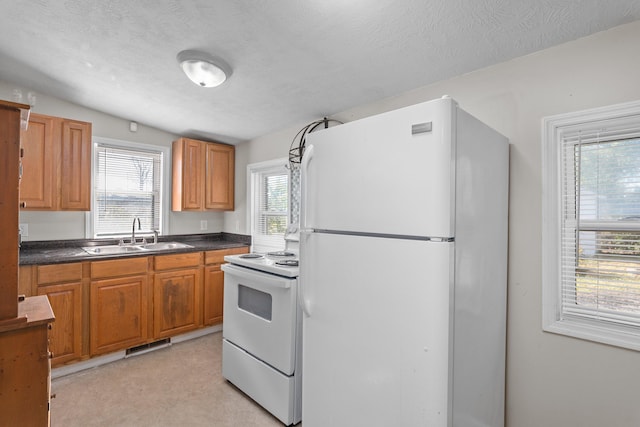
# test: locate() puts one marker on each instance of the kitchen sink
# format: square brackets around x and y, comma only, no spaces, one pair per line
[124,249]
[111,249]
[165,246]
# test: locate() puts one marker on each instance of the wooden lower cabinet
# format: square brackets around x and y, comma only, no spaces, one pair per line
[213,284]
[118,313]
[119,304]
[104,306]
[63,285]
[213,298]
[65,337]
[176,302]
[176,294]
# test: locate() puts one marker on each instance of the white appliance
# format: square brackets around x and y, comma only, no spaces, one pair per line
[261,346]
[403,251]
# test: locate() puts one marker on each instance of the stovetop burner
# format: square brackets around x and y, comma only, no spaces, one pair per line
[281,254]
[251,256]
[288,262]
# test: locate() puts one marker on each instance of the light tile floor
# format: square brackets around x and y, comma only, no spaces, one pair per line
[180,385]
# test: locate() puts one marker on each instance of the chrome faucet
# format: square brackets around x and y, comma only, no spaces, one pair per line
[133,230]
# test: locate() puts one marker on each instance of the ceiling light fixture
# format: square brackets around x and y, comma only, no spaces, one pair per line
[203,69]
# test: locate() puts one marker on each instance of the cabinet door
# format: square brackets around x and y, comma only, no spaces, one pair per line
[176,302]
[188,173]
[219,177]
[66,332]
[213,295]
[24,377]
[118,315]
[40,150]
[75,167]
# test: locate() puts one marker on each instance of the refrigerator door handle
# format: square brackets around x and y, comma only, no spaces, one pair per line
[302,301]
[304,170]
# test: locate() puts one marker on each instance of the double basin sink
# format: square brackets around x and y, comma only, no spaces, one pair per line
[125,249]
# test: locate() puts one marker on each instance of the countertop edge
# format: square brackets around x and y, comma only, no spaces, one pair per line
[68,251]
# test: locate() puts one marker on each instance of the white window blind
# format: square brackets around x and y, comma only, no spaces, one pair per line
[269,206]
[591,243]
[127,185]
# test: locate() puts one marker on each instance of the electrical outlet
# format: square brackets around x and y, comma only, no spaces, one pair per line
[203,225]
[24,230]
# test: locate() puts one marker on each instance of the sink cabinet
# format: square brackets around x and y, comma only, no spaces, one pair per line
[213,295]
[203,175]
[119,304]
[104,306]
[176,294]
[56,164]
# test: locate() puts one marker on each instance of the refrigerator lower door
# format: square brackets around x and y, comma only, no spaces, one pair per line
[377,336]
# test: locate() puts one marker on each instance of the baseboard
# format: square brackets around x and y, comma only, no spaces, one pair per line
[94,362]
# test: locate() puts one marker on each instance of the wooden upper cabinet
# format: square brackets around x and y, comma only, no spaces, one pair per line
[75,173]
[56,164]
[188,170]
[203,175]
[38,164]
[219,177]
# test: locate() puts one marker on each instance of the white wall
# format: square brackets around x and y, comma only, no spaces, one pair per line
[71,225]
[552,380]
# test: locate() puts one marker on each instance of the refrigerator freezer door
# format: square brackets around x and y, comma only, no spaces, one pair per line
[376,341]
[391,174]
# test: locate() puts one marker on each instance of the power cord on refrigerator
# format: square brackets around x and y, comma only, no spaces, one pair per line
[297,151]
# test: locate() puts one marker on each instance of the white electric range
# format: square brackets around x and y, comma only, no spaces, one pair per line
[262,330]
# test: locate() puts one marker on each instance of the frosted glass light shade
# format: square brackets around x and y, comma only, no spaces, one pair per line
[202,69]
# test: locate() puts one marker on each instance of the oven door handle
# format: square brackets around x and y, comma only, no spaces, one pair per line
[264,279]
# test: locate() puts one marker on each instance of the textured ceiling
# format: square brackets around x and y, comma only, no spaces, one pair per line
[293,61]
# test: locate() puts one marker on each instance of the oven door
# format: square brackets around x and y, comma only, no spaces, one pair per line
[260,315]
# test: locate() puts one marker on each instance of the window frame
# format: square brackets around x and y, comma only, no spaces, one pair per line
[618,121]
[165,185]
[253,170]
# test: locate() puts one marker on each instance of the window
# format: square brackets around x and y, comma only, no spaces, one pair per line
[591,225]
[269,204]
[127,184]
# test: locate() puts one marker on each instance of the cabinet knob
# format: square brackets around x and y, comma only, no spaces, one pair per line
[23,204]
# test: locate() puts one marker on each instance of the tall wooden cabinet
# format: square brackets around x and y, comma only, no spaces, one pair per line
[24,355]
[25,370]
[56,164]
[9,185]
[203,175]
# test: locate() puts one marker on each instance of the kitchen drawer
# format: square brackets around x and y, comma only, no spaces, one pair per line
[169,262]
[119,267]
[217,257]
[56,273]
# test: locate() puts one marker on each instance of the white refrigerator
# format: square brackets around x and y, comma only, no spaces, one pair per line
[403,255]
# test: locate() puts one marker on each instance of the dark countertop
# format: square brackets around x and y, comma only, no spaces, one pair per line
[63,251]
